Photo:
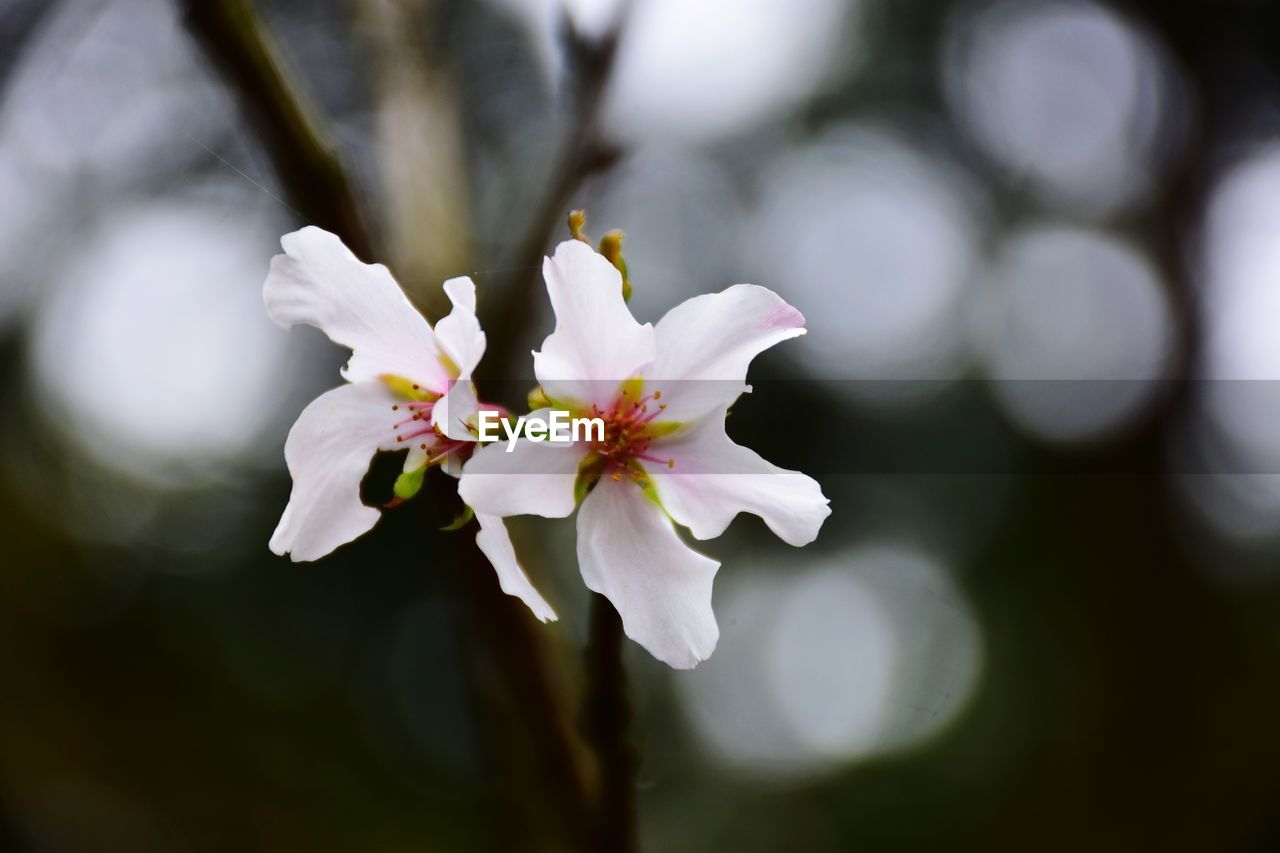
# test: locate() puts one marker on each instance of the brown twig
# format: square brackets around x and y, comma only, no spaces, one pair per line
[316,183]
[306,162]
[589,67]
[515,660]
[606,720]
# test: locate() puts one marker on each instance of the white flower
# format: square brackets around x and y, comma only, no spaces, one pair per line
[664,392]
[409,386]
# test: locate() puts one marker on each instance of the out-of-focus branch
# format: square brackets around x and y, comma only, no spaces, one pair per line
[421,160]
[589,67]
[307,163]
[606,720]
[516,657]
[528,686]
[18,23]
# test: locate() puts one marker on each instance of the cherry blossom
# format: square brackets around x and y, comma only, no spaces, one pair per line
[408,386]
[665,460]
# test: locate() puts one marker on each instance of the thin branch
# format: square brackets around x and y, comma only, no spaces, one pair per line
[606,721]
[316,183]
[516,655]
[304,158]
[19,27]
[590,66]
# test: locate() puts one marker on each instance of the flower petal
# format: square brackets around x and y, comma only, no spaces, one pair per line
[628,551]
[596,343]
[454,413]
[535,478]
[459,334]
[496,545]
[452,465]
[319,282]
[706,344]
[328,452]
[713,479]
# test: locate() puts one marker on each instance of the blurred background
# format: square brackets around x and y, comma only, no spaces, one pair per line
[1038,246]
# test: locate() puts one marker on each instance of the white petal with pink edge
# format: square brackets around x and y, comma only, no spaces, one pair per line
[705,345]
[712,479]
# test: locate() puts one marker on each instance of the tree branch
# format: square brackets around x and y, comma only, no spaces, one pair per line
[515,653]
[302,155]
[606,720]
[590,65]
[516,659]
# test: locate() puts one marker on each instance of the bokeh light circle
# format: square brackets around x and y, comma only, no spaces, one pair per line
[154,353]
[682,220]
[1069,98]
[1078,332]
[1230,442]
[703,70]
[866,652]
[876,243]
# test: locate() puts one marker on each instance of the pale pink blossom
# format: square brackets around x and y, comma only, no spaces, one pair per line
[408,386]
[664,392]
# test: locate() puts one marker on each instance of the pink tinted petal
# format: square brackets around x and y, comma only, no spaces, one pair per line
[706,344]
[713,479]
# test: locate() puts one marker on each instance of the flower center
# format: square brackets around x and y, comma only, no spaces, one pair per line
[629,429]
[412,421]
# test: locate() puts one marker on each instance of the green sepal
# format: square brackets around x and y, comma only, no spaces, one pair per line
[611,248]
[589,471]
[402,387]
[633,388]
[460,520]
[409,482]
[647,489]
[577,222]
[538,399]
[658,429]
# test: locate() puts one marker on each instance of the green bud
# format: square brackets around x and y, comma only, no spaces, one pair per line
[611,248]
[589,471]
[409,482]
[578,221]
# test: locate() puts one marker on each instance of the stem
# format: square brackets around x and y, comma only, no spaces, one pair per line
[522,674]
[514,654]
[590,66]
[302,155]
[606,720]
